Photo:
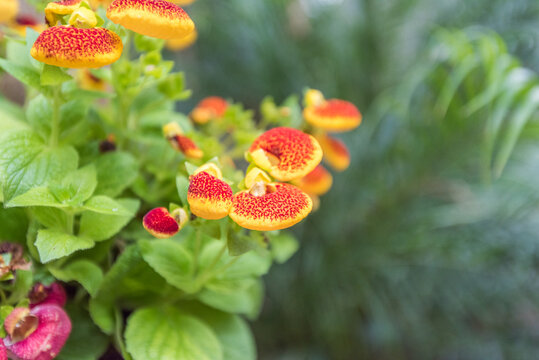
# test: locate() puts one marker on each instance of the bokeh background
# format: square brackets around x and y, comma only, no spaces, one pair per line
[427,247]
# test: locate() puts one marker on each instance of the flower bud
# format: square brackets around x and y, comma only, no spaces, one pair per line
[53,294]
[160,223]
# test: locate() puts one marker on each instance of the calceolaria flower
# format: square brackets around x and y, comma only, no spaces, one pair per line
[162,224]
[180,142]
[286,153]
[210,108]
[255,175]
[8,10]
[317,182]
[209,197]
[336,153]
[73,47]
[54,294]
[156,18]
[331,115]
[272,206]
[55,10]
[23,22]
[38,333]
[182,43]
[11,260]
[89,81]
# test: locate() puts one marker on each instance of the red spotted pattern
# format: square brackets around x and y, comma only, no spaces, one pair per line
[160,223]
[294,148]
[161,8]
[214,103]
[73,43]
[287,202]
[207,186]
[335,108]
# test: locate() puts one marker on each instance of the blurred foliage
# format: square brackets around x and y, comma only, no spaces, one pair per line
[427,247]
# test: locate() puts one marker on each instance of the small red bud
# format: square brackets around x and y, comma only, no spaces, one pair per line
[160,223]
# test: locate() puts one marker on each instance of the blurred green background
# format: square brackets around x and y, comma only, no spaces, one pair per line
[428,246]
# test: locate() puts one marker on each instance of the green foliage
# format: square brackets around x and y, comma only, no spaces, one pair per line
[167,333]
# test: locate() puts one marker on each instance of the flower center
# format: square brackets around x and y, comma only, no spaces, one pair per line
[24,327]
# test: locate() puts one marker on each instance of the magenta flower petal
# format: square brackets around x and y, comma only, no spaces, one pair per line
[53,294]
[46,341]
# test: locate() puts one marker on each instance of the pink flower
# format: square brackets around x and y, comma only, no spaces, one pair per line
[38,333]
[53,294]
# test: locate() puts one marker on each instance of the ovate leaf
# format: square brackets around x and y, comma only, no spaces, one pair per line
[101,227]
[26,162]
[54,244]
[172,261]
[166,333]
[115,172]
[85,272]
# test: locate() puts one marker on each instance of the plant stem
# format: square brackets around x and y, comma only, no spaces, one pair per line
[55,125]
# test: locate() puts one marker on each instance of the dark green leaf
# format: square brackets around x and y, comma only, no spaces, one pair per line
[88,274]
[101,227]
[115,172]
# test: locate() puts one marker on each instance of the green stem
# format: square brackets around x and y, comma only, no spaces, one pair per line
[198,240]
[55,125]
[118,334]
[3,297]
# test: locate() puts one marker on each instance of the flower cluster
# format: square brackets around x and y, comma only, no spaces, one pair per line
[74,39]
[96,148]
[284,179]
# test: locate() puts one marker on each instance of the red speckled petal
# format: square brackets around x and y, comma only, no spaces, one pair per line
[47,340]
[209,197]
[155,18]
[280,209]
[210,108]
[333,115]
[77,48]
[186,146]
[336,153]
[160,223]
[317,182]
[53,294]
[297,153]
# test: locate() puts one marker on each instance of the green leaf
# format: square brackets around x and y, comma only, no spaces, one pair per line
[251,264]
[13,225]
[182,183]
[24,74]
[54,244]
[283,246]
[242,296]
[131,282]
[39,114]
[165,333]
[25,162]
[101,227]
[85,342]
[53,75]
[51,217]
[76,187]
[173,87]
[38,196]
[105,205]
[172,261]
[232,331]
[115,172]
[85,272]
[21,286]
